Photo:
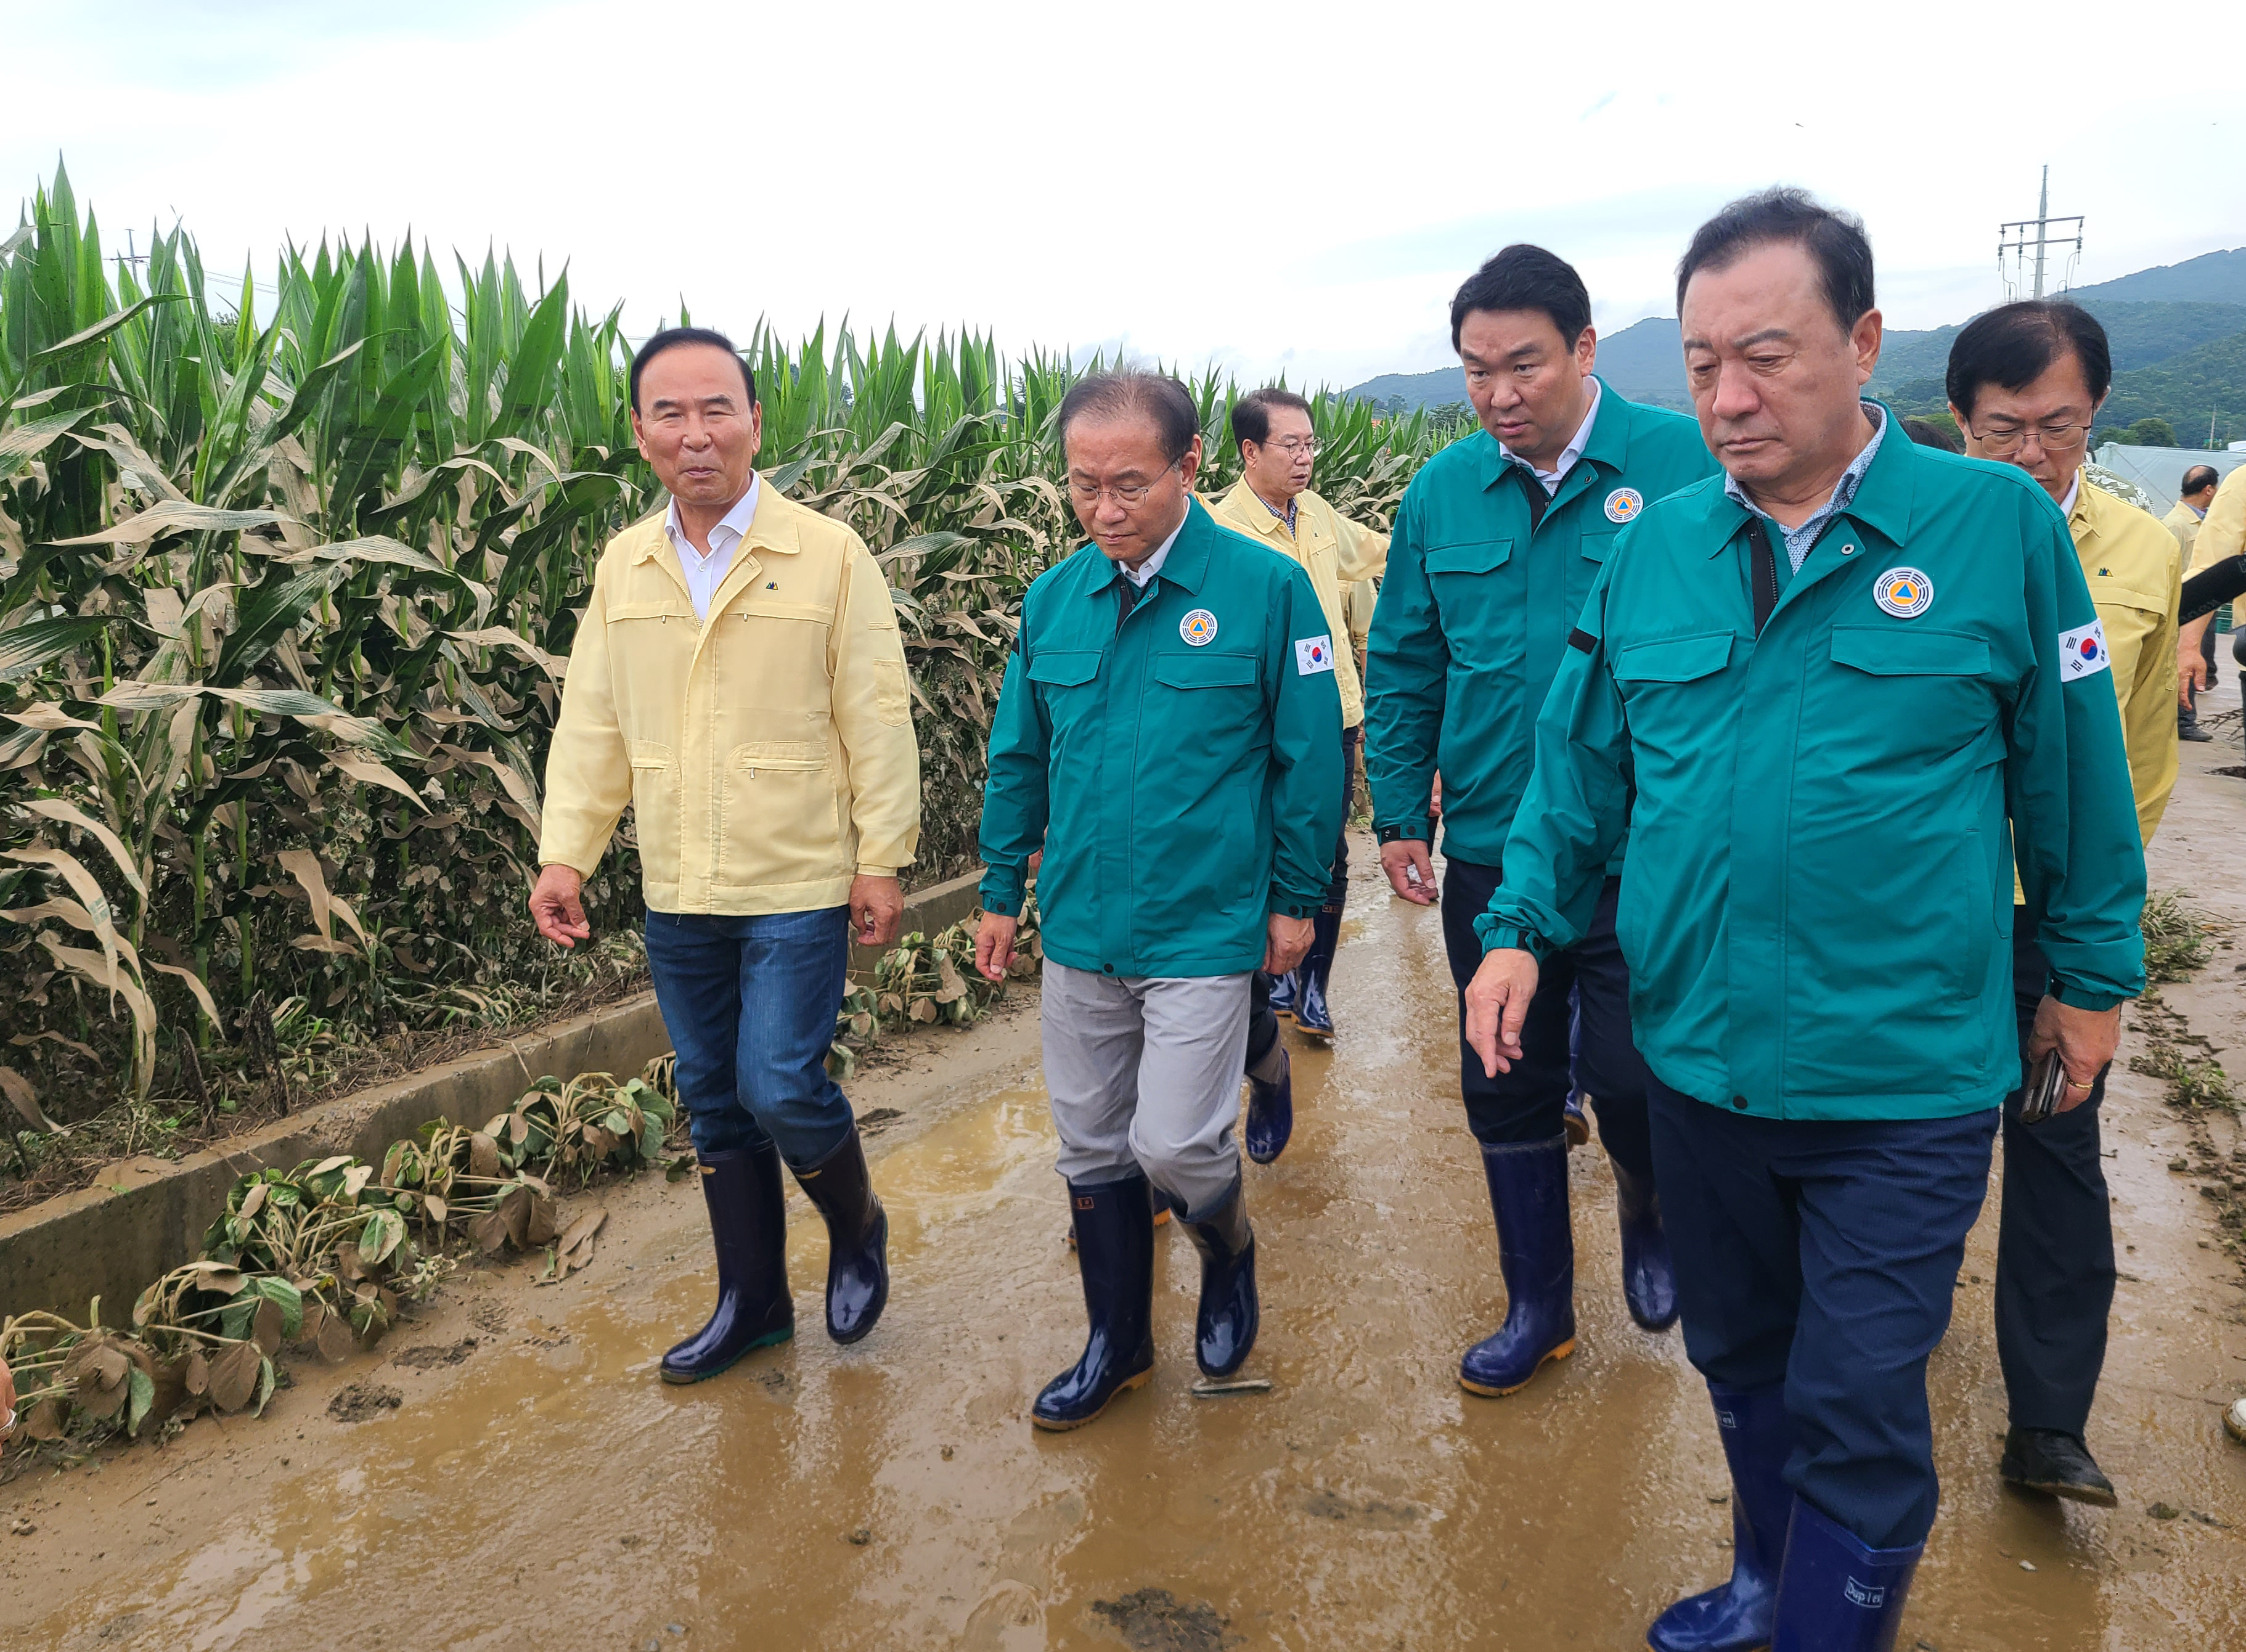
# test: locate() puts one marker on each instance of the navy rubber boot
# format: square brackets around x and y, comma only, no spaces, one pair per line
[1834,1593]
[1574,1120]
[1224,1330]
[1649,1278]
[1312,1014]
[857,1238]
[1282,994]
[1270,1118]
[1736,1616]
[1115,1252]
[748,1220]
[1536,1256]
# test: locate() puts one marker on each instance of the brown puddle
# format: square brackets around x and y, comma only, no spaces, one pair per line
[551,1493]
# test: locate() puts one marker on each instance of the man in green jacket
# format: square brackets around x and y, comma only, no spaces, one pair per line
[1830,697]
[1169,735]
[1496,544]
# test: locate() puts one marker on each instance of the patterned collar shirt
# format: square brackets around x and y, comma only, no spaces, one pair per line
[1568,455]
[704,574]
[1799,540]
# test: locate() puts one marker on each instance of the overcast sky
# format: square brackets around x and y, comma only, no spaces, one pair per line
[1284,185]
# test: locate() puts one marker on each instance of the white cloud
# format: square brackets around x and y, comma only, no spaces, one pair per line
[1297,186]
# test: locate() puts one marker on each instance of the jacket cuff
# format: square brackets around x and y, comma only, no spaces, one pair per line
[1497,936]
[2076,997]
[1287,907]
[1410,831]
[1001,891]
[866,870]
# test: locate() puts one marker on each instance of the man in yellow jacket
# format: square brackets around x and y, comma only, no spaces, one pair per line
[1274,503]
[2222,535]
[2198,492]
[739,680]
[2025,381]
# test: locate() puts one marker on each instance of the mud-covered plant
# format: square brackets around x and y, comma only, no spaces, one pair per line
[590,1123]
[2176,941]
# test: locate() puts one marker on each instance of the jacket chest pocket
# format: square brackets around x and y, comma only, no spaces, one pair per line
[1478,608]
[1597,546]
[1668,682]
[651,647]
[1911,693]
[1210,681]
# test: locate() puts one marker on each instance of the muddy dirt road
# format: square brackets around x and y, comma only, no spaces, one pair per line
[506,1472]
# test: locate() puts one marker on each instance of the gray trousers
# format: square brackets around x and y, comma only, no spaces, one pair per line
[1144,1074]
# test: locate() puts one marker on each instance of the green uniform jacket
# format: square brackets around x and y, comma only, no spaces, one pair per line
[1181,772]
[1475,611]
[1817,902]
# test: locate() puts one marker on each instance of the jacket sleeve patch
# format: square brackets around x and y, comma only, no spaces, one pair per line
[2082,651]
[1581,640]
[1313,654]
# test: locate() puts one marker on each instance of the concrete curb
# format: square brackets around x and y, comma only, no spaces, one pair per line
[147,1216]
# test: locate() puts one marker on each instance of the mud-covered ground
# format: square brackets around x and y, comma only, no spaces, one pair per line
[506,1472]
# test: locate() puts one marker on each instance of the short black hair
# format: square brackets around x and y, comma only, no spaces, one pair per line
[1251,414]
[1834,240]
[1525,277]
[2013,344]
[2198,477]
[1127,390]
[1927,434]
[671,338]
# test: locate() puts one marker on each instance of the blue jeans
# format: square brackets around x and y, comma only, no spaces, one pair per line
[750,1004]
[1823,1255]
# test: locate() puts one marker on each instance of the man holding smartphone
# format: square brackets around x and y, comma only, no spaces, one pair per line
[2026,381]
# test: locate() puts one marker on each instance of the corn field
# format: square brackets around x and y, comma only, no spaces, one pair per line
[290,571]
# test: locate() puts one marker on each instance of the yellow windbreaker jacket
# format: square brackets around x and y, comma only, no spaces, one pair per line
[2224,533]
[1337,555]
[2134,569]
[768,755]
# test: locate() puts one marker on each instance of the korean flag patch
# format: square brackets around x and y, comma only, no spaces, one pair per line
[2081,651]
[1313,654]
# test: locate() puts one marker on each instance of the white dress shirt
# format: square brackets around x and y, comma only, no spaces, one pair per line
[705,574]
[1153,565]
[1568,455]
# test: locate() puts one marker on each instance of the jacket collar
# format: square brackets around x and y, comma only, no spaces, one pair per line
[1187,563]
[772,529]
[1607,445]
[1246,505]
[1881,501]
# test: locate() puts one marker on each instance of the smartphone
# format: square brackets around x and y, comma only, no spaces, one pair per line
[2046,1079]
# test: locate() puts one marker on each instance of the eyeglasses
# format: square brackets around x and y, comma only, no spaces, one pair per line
[1297,446]
[1129,498]
[2001,439]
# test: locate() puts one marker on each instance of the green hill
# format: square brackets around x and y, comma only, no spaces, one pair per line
[2211,278]
[2184,389]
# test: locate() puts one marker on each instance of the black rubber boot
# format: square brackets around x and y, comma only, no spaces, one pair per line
[1312,1014]
[1270,1105]
[1224,1330]
[1649,1278]
[1114,1224]
[857,1239]
[748,1220]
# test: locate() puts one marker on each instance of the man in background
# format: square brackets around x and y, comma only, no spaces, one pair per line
[2025,381]
[2196,494]
[1274,503]
[1497,542]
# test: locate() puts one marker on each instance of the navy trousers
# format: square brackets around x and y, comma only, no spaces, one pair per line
[1825,1256]
[1528,1103]
[749,1005]
[2054,1241]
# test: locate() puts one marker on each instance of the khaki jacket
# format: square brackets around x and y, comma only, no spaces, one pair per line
[2134,569]
[768,755]
[2183,522]
[2224,533]
[1337,555]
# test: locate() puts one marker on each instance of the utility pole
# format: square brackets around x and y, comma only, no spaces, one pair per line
[129,256]
[2013,241]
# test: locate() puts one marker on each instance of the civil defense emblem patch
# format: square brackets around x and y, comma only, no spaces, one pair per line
[1623,505]
[1904,592]
[1198,627]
